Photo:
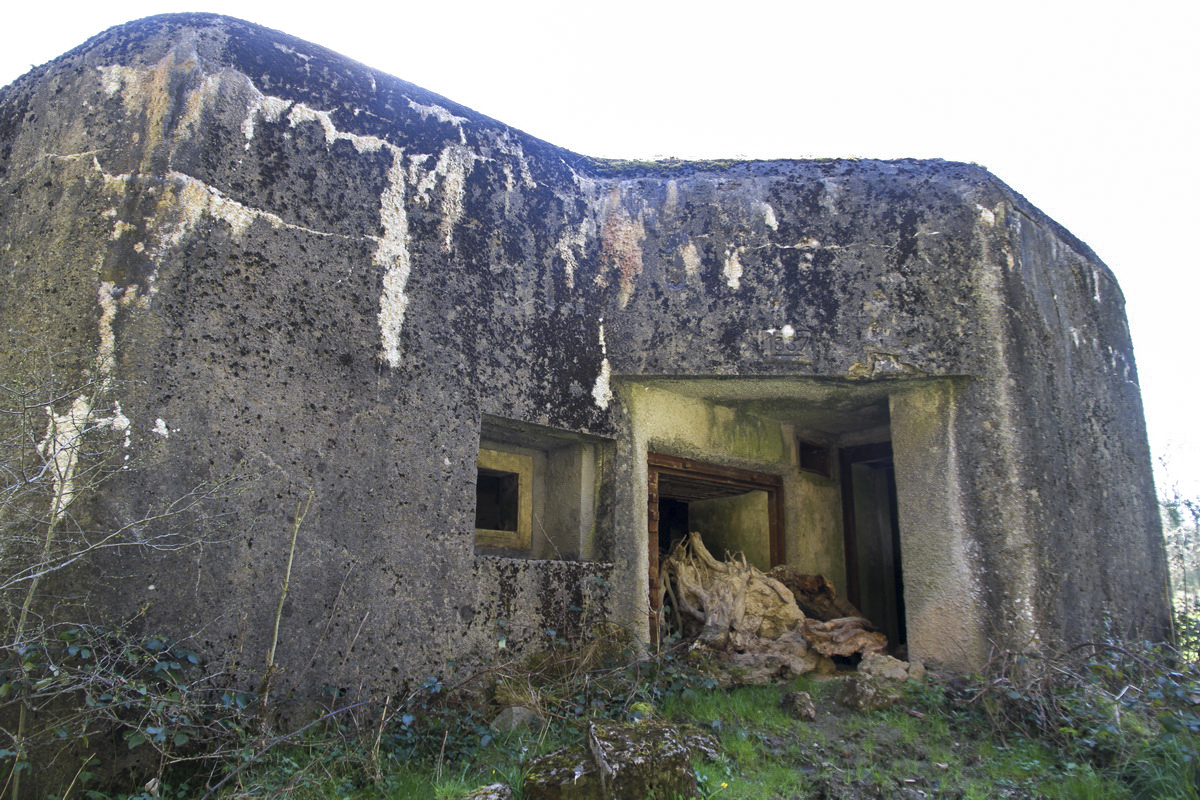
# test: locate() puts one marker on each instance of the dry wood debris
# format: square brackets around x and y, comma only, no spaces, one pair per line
[751,619]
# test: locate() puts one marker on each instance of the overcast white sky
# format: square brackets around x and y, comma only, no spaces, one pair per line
[1089,109]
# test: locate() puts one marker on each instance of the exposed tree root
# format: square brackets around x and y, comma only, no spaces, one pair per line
[750,619]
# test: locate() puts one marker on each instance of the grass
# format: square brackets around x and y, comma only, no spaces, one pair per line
[944,744]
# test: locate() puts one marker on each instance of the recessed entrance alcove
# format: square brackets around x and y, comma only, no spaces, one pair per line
[833,477]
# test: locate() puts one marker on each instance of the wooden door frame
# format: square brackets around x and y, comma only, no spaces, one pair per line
[659,464]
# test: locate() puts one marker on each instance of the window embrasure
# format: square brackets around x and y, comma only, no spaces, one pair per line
[537,491]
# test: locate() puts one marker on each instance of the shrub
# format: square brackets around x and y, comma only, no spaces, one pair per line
[1134,714]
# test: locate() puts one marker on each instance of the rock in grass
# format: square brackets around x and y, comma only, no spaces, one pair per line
[515,718]
[799,705]
[701,743]
[863,692]
[566,774]
[497,791]
[641,760]
[622,761]
[893,669]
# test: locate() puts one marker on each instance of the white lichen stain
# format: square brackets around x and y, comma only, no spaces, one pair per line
[441,115]
[768,215]
[195,199]
[117,184]
[270,108]
[602,389]
[60,447]
[393,256]
[569,262]
[191,120]
[107,348]
[301,113]
[567,245]
[672,197]
[454,165]
[120,228]
[185,203]
[691,259]
[121,424]
[392,248]
[733,268]
[151,91]
[506,144]
[283,48]
[986,214]
[191,200]
[160,427]
[831,195]
[113,77]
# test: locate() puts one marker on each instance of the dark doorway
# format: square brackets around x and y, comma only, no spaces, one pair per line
[733,509]
[672,522]
[874,579]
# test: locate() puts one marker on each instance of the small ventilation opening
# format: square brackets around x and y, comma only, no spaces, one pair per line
[815,458]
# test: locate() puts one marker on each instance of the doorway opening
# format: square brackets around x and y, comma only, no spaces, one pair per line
[734,510]
[874,577]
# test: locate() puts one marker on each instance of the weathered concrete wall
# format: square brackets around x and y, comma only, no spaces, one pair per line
[813,527]
[523,603]
[945,572]
[1063,424]
[271,256]
[678,424]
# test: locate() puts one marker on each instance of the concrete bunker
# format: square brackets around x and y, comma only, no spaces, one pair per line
[469,344]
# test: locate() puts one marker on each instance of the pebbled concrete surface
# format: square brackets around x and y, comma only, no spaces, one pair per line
[266,257]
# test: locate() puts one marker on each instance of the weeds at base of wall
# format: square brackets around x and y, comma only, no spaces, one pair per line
[438,737]
[1128,712]
[71,690]
[145,701]
[952,737]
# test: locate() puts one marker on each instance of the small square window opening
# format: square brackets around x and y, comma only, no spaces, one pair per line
[503,499]
[815,458]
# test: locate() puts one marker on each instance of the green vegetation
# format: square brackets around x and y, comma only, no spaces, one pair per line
[71,688]
[1181,530]
[1104,722]
[628,168]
